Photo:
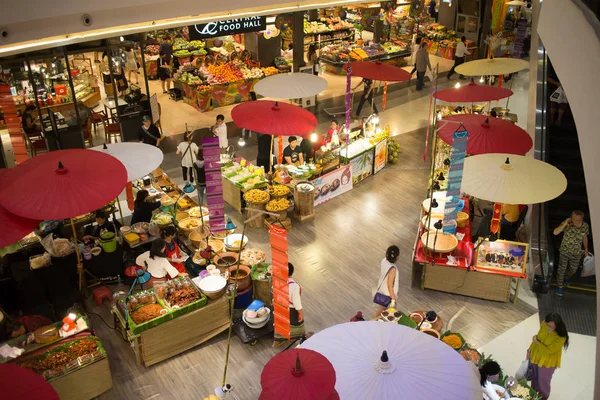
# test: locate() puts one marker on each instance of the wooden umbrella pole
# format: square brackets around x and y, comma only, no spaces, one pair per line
[79,264]
[120,211]
[271,155]
[508,98]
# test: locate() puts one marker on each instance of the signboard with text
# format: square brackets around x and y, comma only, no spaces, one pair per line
[227,27]
[333,184]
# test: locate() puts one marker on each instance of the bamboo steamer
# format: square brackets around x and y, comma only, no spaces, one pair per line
[304,200]
[198,235]
[461,219]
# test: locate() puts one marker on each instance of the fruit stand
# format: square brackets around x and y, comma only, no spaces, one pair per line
[442,42]
[335,56]
[238,178]
[76,366]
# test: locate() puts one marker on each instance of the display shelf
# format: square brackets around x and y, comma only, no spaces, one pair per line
[86,383]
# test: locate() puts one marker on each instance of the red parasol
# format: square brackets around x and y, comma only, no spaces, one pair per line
[298,374]
[274,118]
[62,184]
[378,71]
[487,134]
[20,383]
[472,93]
[14,227]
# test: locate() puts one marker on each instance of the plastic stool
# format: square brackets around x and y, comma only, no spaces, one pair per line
[100,294]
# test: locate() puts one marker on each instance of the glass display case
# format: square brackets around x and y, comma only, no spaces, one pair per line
[328,159]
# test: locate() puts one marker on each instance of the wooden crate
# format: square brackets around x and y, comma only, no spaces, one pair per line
[184,332]
[482,285]
[304,218]
[85,383]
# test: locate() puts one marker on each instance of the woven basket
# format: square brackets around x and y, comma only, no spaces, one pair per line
[197,236]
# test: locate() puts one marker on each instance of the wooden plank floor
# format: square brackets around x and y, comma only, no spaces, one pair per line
[337,260]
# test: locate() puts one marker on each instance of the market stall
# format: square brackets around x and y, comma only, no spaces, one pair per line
[67,355]
[442,42]
[335,56]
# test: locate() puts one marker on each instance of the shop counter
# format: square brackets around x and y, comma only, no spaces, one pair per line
[86,383]
[184,332]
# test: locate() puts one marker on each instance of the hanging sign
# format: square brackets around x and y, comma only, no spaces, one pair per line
[455,175]
[227,27]
[214,184]
[279,281]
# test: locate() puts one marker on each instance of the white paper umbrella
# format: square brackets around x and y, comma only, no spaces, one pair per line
[290,86]
[511,179]
[420,367]
[492,66]
[138,158]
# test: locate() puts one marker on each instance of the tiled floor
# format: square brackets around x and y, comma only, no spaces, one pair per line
[407,112]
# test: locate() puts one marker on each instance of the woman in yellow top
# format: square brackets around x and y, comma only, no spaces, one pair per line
[545,352]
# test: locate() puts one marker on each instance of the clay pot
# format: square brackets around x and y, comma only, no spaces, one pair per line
[244,281]
[225,259]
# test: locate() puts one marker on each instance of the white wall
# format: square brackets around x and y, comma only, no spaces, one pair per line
[575,55]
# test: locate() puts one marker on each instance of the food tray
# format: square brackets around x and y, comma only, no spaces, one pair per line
[387,316]
[137,329]
[177,312]
[406,321]
[447,333]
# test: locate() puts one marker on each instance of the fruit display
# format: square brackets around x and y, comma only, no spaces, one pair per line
[256,196]
[268,71]
[393,151]
[277,205]
[245,177]
[153,49]
[326,25]
[182,53]
[65,357]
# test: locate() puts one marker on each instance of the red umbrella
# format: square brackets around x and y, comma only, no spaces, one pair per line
[274,118]
[487,134]
[62,184]
[298,374]
[21,383]
[378,71]
[472,93]
[14,227]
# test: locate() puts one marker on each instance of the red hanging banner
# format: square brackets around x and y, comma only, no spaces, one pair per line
[281,292]
[280,150]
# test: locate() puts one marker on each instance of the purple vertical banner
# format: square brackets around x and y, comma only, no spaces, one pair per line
[214,184]
[457,162]
[348,99]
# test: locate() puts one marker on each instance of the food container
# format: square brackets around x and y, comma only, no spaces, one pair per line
[132,238]
[439,242]
[235,242]
[125,230]
[213,286]
[140,227]
[108,242]
[189,224]
[431,332]
[243,279]
[256,322]
[225,260]
[428,223]
[162,220]
[461,219]
[217,246]
[197,236]
[96,251]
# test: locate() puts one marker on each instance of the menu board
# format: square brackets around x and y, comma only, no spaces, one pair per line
[214,184]
[333,184]
[281,290]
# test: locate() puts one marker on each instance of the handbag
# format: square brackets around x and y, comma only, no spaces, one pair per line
[380,298]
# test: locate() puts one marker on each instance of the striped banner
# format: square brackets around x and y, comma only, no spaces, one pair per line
[279,281]
[13,124]
[459,150]
[214,184]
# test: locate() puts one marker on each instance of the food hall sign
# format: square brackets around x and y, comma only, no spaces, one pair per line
[227,27]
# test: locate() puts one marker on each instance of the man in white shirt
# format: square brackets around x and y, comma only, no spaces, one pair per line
[459,56]
[220,131]
[415,48]
[296,311]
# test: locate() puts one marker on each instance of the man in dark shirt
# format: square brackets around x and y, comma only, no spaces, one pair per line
[264,150]
[149,133]
[167,48]
[102,224]
[292,153]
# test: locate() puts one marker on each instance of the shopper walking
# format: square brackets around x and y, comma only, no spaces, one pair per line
[264,156]
[312,60]
[164,71]
[387,289]
[575,235]
[422,64]
[188,151]
[459,56]
[367,94]
[545,352]
[131,66]
[413,57]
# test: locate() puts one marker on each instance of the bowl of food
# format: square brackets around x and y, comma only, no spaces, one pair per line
[225,260]
[124,230]
[196,212]
[416,317]
[259,321]
[197,236]
[471,355]
[240,276]
[166,201]
[431,332]
[140,227]
[439,242]
[96,251]
[235,242]
[213,286]
[189,224]
[162,219]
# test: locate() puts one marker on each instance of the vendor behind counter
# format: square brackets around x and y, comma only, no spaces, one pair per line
[292,154]
[93,232]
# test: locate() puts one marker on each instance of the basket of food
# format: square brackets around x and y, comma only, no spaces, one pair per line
[278,206]
[198,212]
[278,191]
[140,227]
[439,242]
[257,196]
[252,256]
[461,219]
[471,355]
[217,246]
[162,219]
[180,295]
[454,340]
[189,224]
[198,235]
[235,242]
[167,201]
